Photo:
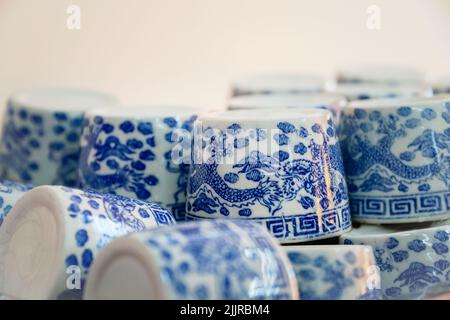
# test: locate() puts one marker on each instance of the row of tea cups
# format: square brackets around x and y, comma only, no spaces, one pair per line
[106,246]
[299,169]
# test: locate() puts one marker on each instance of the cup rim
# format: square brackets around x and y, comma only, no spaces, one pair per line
[143,111]
[394,103]
[381,73]
[363,234]
[268,116]
[403,89]
[61,99]
[285,100]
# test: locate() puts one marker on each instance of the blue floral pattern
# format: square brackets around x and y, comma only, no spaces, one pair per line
[40,148]
[397,161]
[334,273]
[96,219]
[134,158]
[413,265]
[10,192]
[289,185]
[220,260]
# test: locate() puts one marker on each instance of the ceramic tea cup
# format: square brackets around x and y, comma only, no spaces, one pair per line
[335,272]
[414,260]
[40,142]
[128,151]
[205,260]
[277,83]
[279,168]
[281,101]
[396,155]
[441,86]
[382,74]
[10,192]
[52,235]
[363,91]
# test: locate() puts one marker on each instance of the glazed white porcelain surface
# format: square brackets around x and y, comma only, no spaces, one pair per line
[414,260]
[279,168]
[363,91]
[376,73]
[128,151]
[396,155]
[277,83]
[10,192]
[335,272]
[50,238]
[40,142]
[280,101]
[441,86]
[205,260]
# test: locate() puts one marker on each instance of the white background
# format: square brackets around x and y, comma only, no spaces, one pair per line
[187,51]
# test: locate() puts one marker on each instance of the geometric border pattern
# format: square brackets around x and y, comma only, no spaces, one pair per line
[303,226]
[398,207]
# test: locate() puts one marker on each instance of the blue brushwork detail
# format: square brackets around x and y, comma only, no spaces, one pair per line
[275,179]
[121,158]
[376,162]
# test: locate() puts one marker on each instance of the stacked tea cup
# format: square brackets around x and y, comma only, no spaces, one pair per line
[300,190]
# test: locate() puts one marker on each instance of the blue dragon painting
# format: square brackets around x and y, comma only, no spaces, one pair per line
[372,161]
[277,178]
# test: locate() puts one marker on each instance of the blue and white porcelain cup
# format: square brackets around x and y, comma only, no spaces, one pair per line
[10,192]
[381,74]
[363,91]
[220,260]
[40,142]
[281,101]
[414,260]
[396,154]
[52,235]
[129,151]
[335,272]
[277,83]
[441,86]
[281,168]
